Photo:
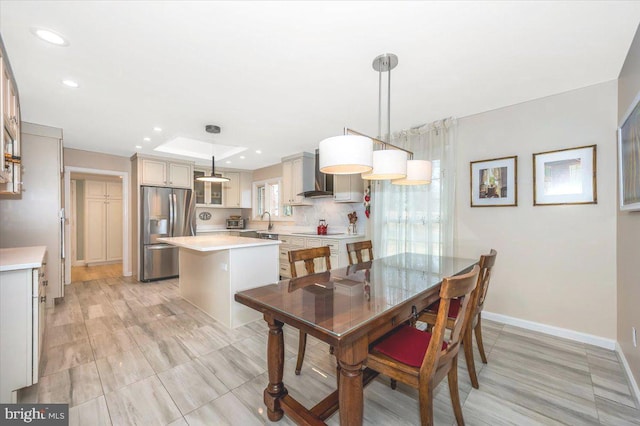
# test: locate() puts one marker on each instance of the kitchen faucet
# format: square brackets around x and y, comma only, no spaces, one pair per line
[270,227]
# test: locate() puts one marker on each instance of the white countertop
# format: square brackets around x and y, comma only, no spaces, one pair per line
[12,259]
[216,242]
[312,235]
[301,233]
[202,230]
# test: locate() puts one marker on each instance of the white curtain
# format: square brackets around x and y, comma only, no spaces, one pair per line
[419,218]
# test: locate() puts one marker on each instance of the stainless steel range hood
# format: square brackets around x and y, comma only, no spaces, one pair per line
[323,183]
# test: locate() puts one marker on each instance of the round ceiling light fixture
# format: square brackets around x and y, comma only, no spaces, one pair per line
[71,83]
[210,128]
[49,36]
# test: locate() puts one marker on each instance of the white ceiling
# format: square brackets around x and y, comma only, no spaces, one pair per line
[281,76]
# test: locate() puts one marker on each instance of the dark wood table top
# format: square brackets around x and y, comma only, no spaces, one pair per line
[338,302]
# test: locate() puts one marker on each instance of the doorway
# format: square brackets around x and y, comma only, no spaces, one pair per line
[97,228]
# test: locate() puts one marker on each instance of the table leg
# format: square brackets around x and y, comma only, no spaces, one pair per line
[350,387]
[275,361]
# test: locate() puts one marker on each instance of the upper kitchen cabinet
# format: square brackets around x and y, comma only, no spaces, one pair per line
[297,177]
[158,172]
[10,167]
[236,193]
[348,188]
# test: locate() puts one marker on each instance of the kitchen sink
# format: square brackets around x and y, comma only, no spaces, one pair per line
[267,235]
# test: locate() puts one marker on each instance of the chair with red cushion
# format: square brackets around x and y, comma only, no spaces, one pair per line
[475,321]
[422,359]
[307,256]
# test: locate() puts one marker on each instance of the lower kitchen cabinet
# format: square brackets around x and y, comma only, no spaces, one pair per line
[338,247]
[22,318]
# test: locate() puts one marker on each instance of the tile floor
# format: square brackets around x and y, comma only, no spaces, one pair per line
[120,352]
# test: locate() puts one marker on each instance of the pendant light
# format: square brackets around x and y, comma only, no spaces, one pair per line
[213,177]
[353,152]
[211,128]
[345,155]
[387,163]
[418,173]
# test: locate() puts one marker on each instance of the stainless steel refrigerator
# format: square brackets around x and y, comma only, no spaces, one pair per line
[166,212]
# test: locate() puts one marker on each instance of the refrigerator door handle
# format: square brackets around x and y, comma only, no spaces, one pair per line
[62,247]
[171,209]
[175,214]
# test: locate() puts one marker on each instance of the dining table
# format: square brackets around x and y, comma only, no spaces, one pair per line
[349,308]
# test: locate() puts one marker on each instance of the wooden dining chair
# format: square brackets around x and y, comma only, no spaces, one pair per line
[307,256]
[356,249]
[475,321]
[421,359]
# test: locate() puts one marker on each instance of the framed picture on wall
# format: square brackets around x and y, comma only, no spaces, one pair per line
[629,160]
[565,176]
[494,182]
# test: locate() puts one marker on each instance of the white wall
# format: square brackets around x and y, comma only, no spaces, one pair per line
[556,265]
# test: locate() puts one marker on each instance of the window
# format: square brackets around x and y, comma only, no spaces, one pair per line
[266,197]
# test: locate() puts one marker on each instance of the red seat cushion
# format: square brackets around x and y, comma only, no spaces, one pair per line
[408,345]
[454,308]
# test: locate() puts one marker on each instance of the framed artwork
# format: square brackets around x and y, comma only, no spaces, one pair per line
[494,182]
[565,176]
[629,160]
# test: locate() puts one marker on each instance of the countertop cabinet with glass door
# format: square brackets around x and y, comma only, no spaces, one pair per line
[10,162]
[236,193]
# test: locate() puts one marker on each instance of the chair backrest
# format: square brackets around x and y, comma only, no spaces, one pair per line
[308,255]
[357,249]
[459,287]
[486,263]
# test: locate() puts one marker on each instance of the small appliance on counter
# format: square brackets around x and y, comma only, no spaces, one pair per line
[236,222]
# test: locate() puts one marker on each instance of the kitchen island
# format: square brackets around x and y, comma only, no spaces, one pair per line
[214,267]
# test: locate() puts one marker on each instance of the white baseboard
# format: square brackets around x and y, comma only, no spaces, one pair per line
[553,331]
[627,369]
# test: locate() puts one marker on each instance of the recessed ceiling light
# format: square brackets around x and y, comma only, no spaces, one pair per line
[49,36]
[70,83]
[242,157]
[146,139]
[157,129]
[138,146]
[258,151]
[228,162]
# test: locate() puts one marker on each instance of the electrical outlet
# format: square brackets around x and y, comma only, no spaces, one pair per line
[634,337]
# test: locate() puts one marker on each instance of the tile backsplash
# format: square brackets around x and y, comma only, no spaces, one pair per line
[334,213]
[218,216]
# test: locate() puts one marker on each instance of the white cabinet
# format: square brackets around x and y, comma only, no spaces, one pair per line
[236,193]
[22,316]
[157,172]
[338,247]
[103,224]
[348,188]
[297,177]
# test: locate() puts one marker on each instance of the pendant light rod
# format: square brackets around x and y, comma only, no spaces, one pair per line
[384,144]
[213,177]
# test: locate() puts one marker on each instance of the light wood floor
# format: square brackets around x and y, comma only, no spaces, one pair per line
[86,273]
[123,353]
